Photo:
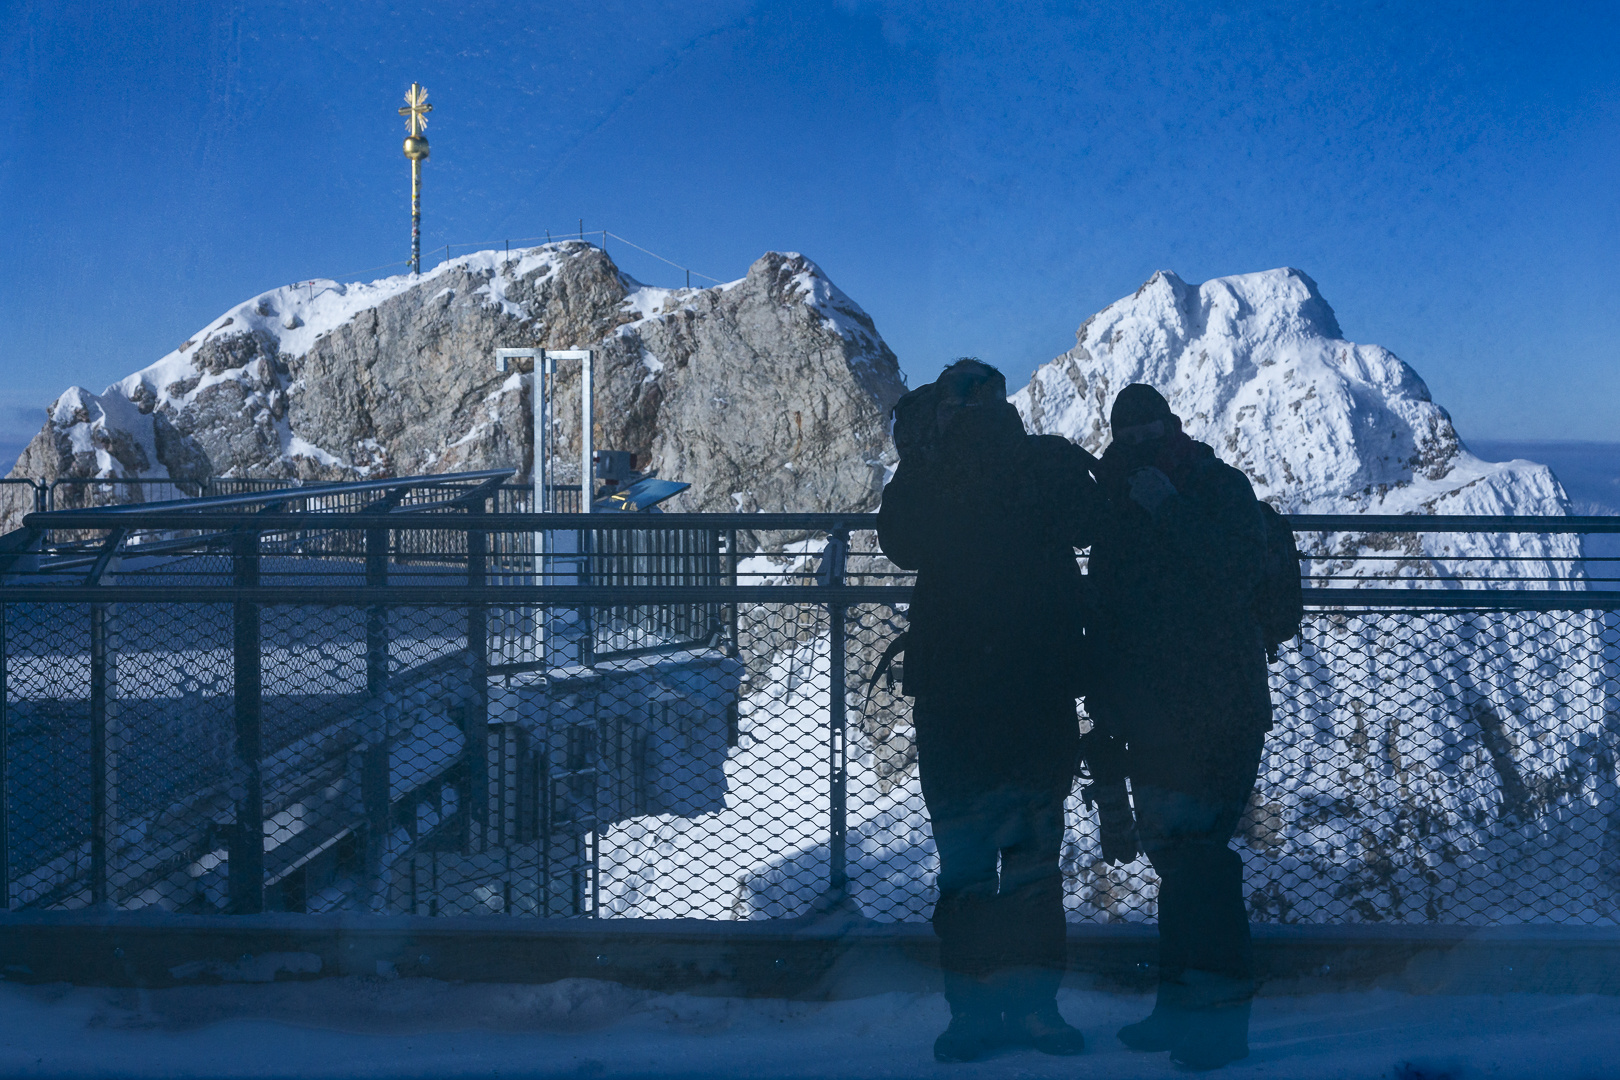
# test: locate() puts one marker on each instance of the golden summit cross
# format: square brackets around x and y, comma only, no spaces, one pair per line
[416,109]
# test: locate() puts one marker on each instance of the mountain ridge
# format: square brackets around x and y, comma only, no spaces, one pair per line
[769,392]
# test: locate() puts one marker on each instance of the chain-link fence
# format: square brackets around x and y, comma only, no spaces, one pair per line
[645,716]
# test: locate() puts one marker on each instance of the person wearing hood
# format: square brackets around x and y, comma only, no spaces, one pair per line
[989,517]
[1175,572]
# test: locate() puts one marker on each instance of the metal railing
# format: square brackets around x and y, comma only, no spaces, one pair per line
[247,719]
[39,492]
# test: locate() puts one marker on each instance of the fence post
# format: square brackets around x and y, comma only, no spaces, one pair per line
[374,773]
[5,788]
[837,757]
[103,751]
[246,852]
[376,614]
[476,748]
[734,643]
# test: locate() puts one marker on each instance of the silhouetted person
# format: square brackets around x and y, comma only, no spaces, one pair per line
[990,517]
[1176,569]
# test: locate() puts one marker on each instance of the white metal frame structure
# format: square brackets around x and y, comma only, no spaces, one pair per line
[543,380]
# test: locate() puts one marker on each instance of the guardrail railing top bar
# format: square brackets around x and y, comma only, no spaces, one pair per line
[80,517]
[193,514]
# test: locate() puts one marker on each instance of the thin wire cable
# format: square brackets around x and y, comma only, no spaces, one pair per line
[548,238]
[660,258]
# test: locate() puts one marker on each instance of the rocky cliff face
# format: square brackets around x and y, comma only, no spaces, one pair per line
[767,393]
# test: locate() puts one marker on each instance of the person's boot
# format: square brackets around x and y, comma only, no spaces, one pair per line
[1043,1028]
[970,1037]
[1213,1037]
[1156,1033]
[1214,1030]
[975,1030]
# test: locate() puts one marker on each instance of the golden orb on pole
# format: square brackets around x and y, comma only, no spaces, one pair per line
[416,147]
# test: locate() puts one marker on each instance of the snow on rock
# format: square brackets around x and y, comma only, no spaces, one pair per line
[775,386]
[1256,366]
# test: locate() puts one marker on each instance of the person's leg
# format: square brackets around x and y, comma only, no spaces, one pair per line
[1031,899]
[1154,825]
[965,821]
[965,915]
[1206,964]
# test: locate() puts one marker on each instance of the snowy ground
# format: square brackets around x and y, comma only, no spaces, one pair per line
[582,1028]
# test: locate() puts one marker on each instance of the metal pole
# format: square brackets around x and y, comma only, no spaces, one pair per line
[587,418]
[587,491]
[837,756]
[5,793]
[376,615]
[103,755]
[476,743]
[416,216]
[733,643]
[246,866]
[374,779]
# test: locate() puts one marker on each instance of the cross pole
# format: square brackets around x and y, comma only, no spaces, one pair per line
[415,112]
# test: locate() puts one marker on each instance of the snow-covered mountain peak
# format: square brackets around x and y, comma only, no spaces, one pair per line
[1256,366]
[1270,305]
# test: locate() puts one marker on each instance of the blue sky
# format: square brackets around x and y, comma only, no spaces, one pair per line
[979,177]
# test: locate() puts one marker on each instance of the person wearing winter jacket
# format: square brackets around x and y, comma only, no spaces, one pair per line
[989,517]
[1174,571]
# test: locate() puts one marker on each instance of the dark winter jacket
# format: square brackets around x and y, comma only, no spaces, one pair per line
[996,604]
[1178,645]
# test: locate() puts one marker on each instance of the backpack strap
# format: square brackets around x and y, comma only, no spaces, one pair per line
[884,666]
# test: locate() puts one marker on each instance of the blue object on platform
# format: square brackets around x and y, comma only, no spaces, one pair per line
[641,495]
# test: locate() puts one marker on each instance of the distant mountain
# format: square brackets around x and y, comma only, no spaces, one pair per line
[1256,366]
[770,392]
[1589,471]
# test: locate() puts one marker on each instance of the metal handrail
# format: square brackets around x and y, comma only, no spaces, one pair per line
[168,516]
[40,489]
[340,595]
[77,518]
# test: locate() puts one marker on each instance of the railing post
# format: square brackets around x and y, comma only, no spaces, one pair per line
[246,851]
[734,643]
[374,775]
[376,614]
[103,751]
[476,745]
[5,788]
[837,756]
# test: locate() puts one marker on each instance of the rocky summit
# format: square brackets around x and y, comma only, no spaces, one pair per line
[1256,366]
[767,393]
